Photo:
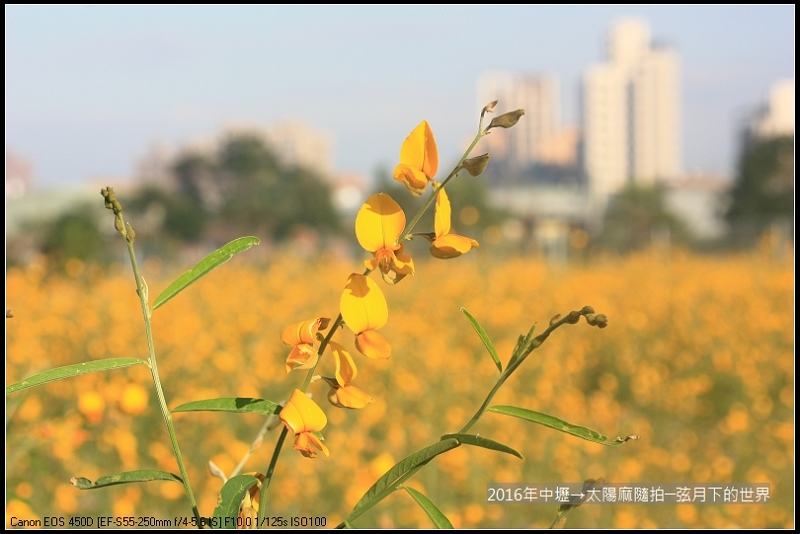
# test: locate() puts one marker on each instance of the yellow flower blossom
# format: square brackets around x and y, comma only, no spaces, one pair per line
[419,159]
[445,245]
[303,417]
[342,394]
[301,337]
[364,310]
[379,223]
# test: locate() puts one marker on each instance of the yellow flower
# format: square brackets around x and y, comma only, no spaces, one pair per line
[342,394]
[301,336]
[446,245]
[364,310]
[248,509]
[379,223]
[303,417]
[348,396]
[419,159]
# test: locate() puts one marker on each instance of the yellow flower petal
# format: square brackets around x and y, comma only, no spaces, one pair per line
[451,246]
[349,397]
[379,223]
[304,332]
[419,150]
[302,414]
[373,345]
[308,444]
[363,306]
[414,179]
[442,214]
[303,356]
[346,370]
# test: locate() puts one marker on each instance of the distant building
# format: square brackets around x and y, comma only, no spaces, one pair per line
[775,116]
[696,199]
[630,112]
[19,176]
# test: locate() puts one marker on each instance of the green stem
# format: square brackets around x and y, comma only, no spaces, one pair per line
[141,290]
[262,503]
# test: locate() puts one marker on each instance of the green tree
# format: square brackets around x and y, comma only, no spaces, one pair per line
[636,216]
[763,193]
[241,188]
[75,234]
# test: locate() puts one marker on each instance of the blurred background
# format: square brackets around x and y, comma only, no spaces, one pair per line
[651,177]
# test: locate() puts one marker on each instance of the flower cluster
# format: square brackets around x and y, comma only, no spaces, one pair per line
[381,229]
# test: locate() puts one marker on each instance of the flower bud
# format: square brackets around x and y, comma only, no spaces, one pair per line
[475,166]
[506,120]
[599,320]
[489,108]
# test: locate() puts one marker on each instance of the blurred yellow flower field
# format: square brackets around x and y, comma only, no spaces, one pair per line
[697,360]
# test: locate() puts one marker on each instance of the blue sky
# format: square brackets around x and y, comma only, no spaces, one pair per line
[90,89]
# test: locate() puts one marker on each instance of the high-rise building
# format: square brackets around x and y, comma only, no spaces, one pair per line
[631,112]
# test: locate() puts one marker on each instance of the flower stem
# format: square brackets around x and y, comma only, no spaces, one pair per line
[262,503]
[141,290]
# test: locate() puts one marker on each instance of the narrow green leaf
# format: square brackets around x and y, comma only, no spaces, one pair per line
[345,524]
[206,265]
[75,369]
[235,405]
[485,338]
[559,424]
[230,499]
[141,475]
[486,443]
[398,474]
[439,519]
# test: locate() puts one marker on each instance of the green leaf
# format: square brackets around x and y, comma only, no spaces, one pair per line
[235,405]
[398,474]
[486,443]
[230,498]
[206,265]
[559,424]
[75,369]
[439,519]
[485,338]
[141,475]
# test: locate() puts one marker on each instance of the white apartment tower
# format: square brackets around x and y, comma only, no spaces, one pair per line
[538,96]
[631,112]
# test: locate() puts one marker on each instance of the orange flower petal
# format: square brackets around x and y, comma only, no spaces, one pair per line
[303,356]
[442,214]
[349,397]
[308,444]
[363,306]
[414,179]
[379,223]
[302,414]
[451,246]
[373,345]
[346,370]
[304,332]
[419,150]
